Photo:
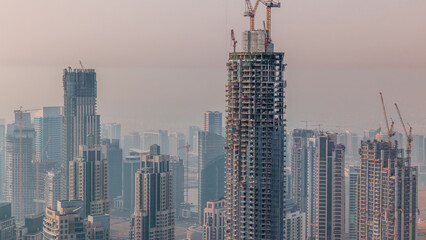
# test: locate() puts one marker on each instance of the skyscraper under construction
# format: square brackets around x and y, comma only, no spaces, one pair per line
[255,142]
[80,118]
[387,193]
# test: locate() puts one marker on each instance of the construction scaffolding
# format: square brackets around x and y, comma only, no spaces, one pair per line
[255,145]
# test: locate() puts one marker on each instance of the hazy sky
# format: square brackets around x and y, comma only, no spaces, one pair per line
[160,64]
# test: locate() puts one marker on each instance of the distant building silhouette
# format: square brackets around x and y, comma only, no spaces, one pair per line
[131,141]
[213,122]
[211,175]
[114,154]
[20,174]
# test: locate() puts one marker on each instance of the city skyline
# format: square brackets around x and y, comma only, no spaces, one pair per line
[255,119]
[360,49]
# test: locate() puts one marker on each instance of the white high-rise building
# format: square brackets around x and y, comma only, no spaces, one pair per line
[295,226]
[52,188]
[214,220]
[153,217]
[89,180]
[65,222]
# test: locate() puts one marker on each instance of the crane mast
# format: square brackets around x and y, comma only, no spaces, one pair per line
[269,5]
[251,12]
[234,42]
[408,135]
[390,130]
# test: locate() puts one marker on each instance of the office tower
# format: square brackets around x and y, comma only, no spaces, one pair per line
[65,222]
[214,220]
[417,149]
[181,142]
[153,217]
[255,140]
[51,147]
[150,138]
[177,144]
[38,141]
[89,179]
[312,187]
[114,156]
[294,222]
[301,166]
[80,118]
[20,174]
[52,188]
[7,222]
[98,227]
[213,122]
[355,143]
[163,141]
[178,171]
[32,229]
[2,160]
[211,175]
[193,138]
[372,134]
[387,193]
[330,190]
[131,140]
[131,164]
[42,170]
[353,196]
[111,131]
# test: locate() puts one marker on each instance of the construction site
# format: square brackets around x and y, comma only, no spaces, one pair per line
[255,129]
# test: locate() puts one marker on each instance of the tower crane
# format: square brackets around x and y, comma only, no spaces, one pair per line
[269,5]
[82,67]
[251,12]
[186,147]
[408,134]
[390,130]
